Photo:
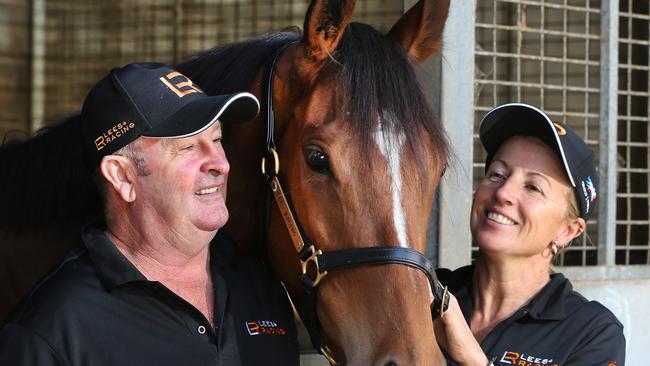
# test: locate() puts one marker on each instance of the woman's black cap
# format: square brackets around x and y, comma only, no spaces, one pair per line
[577,158]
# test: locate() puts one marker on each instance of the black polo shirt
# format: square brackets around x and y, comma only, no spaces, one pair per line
[96,308]
[557,327]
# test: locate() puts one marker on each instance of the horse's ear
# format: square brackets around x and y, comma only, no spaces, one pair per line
[324,26]
[420,29]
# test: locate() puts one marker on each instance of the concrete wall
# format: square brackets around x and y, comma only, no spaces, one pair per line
[628,300]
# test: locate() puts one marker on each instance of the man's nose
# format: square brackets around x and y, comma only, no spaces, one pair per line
[216,160]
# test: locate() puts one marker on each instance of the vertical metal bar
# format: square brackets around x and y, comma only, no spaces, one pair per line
[565,50]
[628,130]
[495,99]
[608,135]
[457,113]
[28,70]
[542,47]
[587,58]
[518,46]
[587,83]
[647,141]
[628,180]
[36,113]
[176,29]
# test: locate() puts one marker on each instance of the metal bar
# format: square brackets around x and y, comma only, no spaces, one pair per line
[586,107]
[551,5]
[547,86]
[30,61]
[628,101]
[536,30]
[458,119]
[494,58]
[533,57]
[647,139]
[608,134]
[36,111]
[543,58]
[177,26]
[518,45]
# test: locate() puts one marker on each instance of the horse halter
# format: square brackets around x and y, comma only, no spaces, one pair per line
[325,262]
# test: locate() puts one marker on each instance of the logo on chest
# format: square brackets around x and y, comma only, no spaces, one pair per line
[522,359]
[264,327]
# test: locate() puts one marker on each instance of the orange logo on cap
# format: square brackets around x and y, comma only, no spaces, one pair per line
[181,88]
[560,130]
[112,134]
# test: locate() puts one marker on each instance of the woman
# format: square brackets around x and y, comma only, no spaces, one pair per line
[509,308]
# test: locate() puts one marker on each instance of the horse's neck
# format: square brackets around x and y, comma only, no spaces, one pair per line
[246,187]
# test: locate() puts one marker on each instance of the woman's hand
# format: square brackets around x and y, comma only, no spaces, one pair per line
[453,334]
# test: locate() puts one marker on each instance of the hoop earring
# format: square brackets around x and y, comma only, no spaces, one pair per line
[554,247]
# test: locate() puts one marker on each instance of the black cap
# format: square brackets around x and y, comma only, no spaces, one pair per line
[151,99]
[577,158]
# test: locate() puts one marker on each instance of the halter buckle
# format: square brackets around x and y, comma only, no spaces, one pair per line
[313,257]
[276,162]
[328,354]
[440,305]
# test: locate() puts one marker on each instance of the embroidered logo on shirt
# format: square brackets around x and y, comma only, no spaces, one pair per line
[521,359]
[264,327]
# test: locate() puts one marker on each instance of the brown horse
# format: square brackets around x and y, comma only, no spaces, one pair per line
[359,155]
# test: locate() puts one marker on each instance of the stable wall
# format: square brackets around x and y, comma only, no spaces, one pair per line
[628,300]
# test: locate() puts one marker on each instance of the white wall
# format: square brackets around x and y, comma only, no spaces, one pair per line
[628,300]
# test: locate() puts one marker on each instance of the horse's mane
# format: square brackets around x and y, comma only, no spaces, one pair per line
[233,67]
[46,181]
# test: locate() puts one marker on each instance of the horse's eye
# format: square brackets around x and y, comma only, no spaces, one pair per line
[317,160]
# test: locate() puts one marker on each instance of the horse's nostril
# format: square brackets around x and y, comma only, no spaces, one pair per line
[391,363]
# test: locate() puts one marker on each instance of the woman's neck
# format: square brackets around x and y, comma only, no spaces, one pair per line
[500,288]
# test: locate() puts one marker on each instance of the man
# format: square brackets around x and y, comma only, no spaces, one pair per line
[149,289]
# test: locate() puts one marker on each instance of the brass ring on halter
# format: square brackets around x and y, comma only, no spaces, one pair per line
[276,161]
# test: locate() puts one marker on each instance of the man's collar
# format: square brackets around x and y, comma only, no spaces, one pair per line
[112,266]
[115,269]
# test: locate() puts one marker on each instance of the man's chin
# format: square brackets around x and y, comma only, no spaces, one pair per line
[213,222]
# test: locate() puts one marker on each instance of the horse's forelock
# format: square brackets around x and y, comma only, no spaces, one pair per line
[379,84]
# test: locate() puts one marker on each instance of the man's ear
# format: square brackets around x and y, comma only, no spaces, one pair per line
[573,229]
[119,171]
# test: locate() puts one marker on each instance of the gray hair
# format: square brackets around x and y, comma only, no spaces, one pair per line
[134,152]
